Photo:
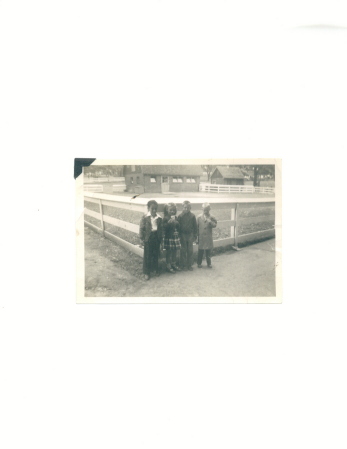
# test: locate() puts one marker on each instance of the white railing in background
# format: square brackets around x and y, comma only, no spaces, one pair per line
[119,188]
[223,188]
[119,179]
[140,205]
[93,188]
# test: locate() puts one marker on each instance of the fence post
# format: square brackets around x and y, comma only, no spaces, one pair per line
[101,219]
[234,229]
[236,226]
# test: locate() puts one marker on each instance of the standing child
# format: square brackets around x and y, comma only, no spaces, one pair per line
[151,231]
[172,242]
[188,233]
[205,224]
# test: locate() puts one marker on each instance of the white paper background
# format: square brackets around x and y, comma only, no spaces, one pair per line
[162,79]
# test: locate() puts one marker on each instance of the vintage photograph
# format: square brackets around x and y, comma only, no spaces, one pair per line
[190,230]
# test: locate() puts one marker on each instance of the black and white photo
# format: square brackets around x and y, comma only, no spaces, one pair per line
[200,231]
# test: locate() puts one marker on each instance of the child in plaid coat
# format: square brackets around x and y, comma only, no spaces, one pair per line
[171,237]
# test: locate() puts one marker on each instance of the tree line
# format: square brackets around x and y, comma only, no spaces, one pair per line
[97,171]
[254,171]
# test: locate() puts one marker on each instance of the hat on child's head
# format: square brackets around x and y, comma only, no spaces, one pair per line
[205,205]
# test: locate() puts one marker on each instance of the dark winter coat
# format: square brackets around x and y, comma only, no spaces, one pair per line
[146,228]
[188,224]
[170,228]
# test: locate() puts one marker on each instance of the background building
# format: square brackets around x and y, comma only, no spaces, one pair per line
[227,175]
[162,178]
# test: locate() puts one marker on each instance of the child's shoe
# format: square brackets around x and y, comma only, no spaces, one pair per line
[176,268]
[146,277]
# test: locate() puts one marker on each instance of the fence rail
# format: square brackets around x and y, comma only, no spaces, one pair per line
[93,188]
[223,188]
[119,179]
[119,187]
[140,205]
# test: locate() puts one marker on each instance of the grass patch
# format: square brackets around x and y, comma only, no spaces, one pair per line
[123,214]
[91,206]
[129,236]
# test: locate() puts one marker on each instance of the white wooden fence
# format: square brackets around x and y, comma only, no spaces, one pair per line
[119,179]
[119,187]
[223,188]
[140,205]
[93,188]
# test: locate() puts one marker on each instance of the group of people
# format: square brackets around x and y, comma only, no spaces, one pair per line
[175,234]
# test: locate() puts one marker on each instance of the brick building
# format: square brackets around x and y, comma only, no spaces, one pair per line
[162,178]
[227,175]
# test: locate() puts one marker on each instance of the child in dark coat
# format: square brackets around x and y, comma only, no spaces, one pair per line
[172,243]
[151,231]
[188,233]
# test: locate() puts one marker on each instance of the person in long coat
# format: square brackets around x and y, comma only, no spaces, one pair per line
[151,233]
[188,234]
[206,222]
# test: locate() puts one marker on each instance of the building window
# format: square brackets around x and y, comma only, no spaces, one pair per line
[153,179]
[137,179]
[179,179]
[191,180]
[164,179]
[132,180]
[174,179]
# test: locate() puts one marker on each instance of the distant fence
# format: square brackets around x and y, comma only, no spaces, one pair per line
[93,188]
[125,233]
[119,179]
[224,188]
[119,188]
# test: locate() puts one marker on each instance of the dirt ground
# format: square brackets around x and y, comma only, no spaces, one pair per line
[249,272]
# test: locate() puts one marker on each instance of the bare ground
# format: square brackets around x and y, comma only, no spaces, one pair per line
[111,271]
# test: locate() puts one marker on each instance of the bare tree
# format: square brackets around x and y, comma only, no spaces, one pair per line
[208,169]
[262,170]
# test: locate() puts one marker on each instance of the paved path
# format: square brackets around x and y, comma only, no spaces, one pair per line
[249,272]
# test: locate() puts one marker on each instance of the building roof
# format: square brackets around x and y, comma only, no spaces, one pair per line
[247,171]
[229,172]
[179,170]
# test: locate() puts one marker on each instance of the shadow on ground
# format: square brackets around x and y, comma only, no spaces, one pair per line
[111,271]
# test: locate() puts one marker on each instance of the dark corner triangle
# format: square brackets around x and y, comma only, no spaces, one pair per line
[79,163]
